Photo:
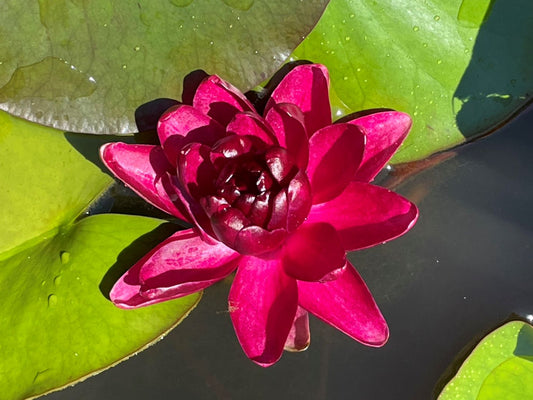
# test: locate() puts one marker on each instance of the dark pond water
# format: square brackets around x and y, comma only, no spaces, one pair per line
[462,271]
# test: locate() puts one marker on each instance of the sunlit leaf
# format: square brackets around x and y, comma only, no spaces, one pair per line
[56,324]
[500,367]
[86,66]
[459,67]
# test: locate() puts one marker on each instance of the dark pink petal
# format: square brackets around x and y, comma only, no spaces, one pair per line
[385,131]
[281,164]
[232,146]
[299,335]
[347,304]
[262,305]
[287,122]
[126,291]
[335,153]
[365,215]
[144,168]
[313,252]
[299,200]
[195,171]
[248,123]
[220,100]
[260,209]
[227,223]
[254,240]
[306,86]
[184,264]
[279,209]
[193,208]
[184,124]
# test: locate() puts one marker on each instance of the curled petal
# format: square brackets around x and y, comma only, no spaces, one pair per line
[365,215]
[144,168]
[287,122]
[306,86]
[280,164]
[184,124]
[220,100]
[335,153]
[313,252]
[347,304]
[227,223]
[279,206]
[195,171]
[262,305]
[299,201]
[254,240]
[385,132]
[184,264]
[248,123]
[299,335]
[232,146]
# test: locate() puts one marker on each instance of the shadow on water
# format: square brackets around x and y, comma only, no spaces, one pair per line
[498,82]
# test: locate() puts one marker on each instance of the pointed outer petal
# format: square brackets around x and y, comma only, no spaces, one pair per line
[299,335]
[385,132]
[335,153]
[227,224]
[195,171]
[144,169]
[287,122]
[184,264]
[279,208]
[126,291]
[262,306]
[254,240]
[347,304]
[184,124]
[365,215]
[306,86]
[313,252]
[248,123]
[281,164]
[299,200]
[220,100]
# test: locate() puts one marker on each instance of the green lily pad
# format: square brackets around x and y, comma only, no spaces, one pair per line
[500,367]
[86,66]
[458,67]
[45,182]
[56,325]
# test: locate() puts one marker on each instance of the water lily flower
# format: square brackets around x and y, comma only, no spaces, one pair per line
[278,197]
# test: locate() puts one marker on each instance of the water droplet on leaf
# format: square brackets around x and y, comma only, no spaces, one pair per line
[52,300]
[64,256]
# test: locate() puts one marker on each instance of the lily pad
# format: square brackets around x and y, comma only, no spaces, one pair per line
[500,367]
[56,324]
[459,67]
[86,66]
[45,182]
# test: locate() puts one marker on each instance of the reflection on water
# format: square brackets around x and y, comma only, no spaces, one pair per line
[463,270]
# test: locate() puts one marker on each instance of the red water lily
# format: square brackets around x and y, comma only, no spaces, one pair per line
[280,197]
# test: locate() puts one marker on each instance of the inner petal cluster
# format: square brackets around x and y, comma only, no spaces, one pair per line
[246,188]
